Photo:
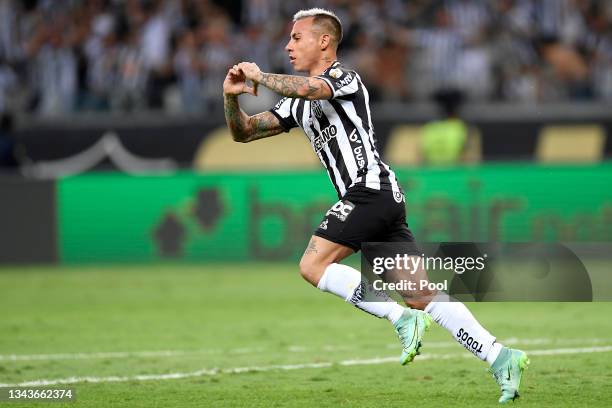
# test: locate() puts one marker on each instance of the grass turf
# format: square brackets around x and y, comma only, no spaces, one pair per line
[258,315]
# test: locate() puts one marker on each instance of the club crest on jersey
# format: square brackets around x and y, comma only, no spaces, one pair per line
[341,210]
[398,197]
[335,73]
[317,108]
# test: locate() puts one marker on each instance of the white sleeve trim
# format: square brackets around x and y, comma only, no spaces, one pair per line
[330,85]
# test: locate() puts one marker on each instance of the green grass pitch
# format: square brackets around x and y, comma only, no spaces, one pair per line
[257,335]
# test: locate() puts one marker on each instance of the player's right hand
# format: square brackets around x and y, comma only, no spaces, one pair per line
[235,83]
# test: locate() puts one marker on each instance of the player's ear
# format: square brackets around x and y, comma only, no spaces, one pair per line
[324,41]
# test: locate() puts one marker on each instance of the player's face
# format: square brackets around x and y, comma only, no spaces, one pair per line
[303,46]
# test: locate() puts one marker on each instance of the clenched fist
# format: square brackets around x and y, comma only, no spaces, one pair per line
[235,82]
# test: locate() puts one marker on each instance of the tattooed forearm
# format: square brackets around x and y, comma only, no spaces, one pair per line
[294,86]
[247,128]
[312,247]
[264,124]
[236,119]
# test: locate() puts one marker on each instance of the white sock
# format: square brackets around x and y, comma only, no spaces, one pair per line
[494,352]
[346,282]
[455,317]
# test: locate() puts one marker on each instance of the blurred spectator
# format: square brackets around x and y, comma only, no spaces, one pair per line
[513,52]
[218,54]
[154,36]
[440,50]
[130,76]
[188,67]
[9,40]
[444,140]
[55,69]
[568,67]
[8,82]
[97,50]
[60,56]
[470,17]
[259,12]
[391,60]
[597,45]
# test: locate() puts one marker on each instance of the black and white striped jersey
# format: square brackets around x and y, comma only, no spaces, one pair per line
[341,133]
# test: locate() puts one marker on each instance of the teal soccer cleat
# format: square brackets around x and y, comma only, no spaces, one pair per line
[410,329]
[507,370]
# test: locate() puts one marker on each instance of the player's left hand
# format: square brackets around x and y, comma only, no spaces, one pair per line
[251,71]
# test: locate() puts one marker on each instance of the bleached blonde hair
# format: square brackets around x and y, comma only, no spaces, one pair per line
[325,19]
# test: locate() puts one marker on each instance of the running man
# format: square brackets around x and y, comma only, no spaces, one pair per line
[331,105]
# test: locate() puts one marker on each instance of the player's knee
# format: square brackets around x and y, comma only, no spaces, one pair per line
[311,270]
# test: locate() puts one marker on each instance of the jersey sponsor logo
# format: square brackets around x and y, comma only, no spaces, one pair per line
[325,136]
[468,341]
[317,108]
[335,73]
[279,104]
[345,81]
[357,150]
[341,210]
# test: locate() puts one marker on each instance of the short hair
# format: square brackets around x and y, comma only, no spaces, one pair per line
[325,18]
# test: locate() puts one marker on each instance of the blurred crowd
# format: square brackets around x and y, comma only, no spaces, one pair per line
[63,56]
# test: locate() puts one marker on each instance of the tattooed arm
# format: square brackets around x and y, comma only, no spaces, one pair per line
[292,86]
[247,128]
[295,86]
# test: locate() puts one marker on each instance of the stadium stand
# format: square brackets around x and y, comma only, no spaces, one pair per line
[64,56]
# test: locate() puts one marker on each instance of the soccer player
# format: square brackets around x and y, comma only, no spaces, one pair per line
[331,105]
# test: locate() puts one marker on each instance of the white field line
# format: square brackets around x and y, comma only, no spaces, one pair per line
[292,349]
[119,354]
[283,367]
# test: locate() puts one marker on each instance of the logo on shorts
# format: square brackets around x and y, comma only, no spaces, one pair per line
[323,225]
[398,197]
[341,210]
